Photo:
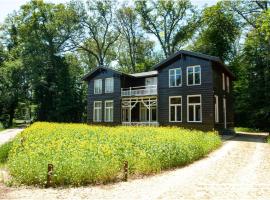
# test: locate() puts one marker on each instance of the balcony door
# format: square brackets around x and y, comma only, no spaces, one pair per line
[150,81]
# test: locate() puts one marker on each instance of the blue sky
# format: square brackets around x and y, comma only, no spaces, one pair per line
[8,6]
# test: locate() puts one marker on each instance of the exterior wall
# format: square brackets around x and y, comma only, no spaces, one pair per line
[205,90]
[218,90]
[115,96]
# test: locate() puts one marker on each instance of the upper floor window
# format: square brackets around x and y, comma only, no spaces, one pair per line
[97,111]
[98,86]
[194,110]
[108,111]
[175,77]
[175,106]
[194,75]
[223,81]
[228,83]
[109,85]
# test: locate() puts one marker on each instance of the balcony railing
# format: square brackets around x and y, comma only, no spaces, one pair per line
[139,91]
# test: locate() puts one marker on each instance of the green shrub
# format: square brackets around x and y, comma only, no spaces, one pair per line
[83,154]
[4,151]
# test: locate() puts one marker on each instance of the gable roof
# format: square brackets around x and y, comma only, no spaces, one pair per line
[194,54]
[91,73]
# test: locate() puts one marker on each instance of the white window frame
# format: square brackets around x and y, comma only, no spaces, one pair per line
[223,81]
[99,82]
[95,108]
[110,86]
[175,77]
[193,74]
[175,105]
[108,109]
[216,109]
[194,105]
[228,83]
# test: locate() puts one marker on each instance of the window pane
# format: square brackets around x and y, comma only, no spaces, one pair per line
[172,113]
[178,71]
[190,113]
[172,81]
[190,76]
[197,78]
[178,80]
[179,111]
[198,112]
[111,114]
[194,99]
[175,100]
[197,69]
[171,72]
[154,114]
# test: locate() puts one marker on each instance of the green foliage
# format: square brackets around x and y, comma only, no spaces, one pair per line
[4,151]
[84,154]
[219,30]
[246,129]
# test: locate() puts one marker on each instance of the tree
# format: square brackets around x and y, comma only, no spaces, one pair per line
[172,22]
[135,52]
[219,31]
[98,30]
[44,35]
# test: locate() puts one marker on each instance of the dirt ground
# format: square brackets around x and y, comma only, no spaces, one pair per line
[240,169]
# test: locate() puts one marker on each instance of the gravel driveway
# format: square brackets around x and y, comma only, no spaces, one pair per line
[240,169]
[9,134]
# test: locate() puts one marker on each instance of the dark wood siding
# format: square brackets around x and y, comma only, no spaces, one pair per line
[205,90]
[115,96]
[218,90]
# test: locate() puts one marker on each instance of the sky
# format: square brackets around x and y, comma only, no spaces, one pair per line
[8,6]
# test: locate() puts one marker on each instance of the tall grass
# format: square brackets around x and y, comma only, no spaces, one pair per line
[83,154]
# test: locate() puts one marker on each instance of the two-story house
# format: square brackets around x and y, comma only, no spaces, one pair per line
[188,89]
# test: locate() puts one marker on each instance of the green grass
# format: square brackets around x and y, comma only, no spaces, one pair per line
[4,151]
[246,129]
[1,127]
[83,154]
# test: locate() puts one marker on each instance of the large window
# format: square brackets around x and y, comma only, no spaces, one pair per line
[194,75]
[216,109]
[98,86]
[194,110]
[109,84]
[223,81]
[228,83]
[108,111]
[97,111]
[175,77]
[175,106]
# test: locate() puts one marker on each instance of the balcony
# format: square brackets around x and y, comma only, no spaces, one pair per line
[148,90]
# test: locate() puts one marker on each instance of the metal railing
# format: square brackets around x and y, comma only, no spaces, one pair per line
[139,91]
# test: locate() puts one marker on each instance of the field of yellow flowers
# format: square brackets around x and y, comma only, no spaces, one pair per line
[83,154]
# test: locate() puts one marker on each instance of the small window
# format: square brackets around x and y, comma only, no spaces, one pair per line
[228,83]
[175,106]
[98,86]
[194,110]
[194,75]
[97,111]
[216,109]
[223,81]
[175,77]
[109,85]
[108,111]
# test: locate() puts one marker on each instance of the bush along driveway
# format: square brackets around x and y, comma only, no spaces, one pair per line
[238,170]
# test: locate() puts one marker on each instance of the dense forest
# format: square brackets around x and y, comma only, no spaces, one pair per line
[46,48]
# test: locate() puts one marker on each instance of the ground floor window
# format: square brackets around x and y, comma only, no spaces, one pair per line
[144,113]
[108,114]
[175,109]
[194,108]
[97,111]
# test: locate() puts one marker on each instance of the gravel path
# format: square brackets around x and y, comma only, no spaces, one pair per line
[9,134]
[240,169]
